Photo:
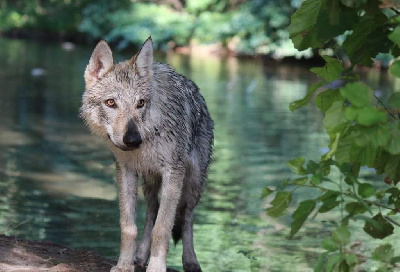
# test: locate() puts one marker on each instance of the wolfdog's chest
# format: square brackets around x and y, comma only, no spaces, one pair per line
[144,160]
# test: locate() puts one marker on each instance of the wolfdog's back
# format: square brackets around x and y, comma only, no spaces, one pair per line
[185,116]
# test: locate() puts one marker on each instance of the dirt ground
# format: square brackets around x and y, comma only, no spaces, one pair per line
[28,256]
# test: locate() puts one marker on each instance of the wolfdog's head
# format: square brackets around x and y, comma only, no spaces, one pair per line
[117,97]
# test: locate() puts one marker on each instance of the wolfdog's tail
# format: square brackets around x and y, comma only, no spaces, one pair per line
[177,229]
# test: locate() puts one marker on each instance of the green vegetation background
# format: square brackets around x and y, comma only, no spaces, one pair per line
[246,27]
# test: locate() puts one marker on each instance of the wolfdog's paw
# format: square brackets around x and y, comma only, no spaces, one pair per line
[123,268]
[192,267]
[156,266]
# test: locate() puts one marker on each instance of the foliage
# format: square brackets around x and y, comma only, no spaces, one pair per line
[250,27]
[362,130]
[56,16]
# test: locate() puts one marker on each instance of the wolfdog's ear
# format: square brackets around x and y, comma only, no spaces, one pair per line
[100,62]
[144,59]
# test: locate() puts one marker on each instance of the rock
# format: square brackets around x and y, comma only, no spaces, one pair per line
[17,255]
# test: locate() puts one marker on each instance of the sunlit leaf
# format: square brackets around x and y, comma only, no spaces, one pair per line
[300,215]
[334,118]
[395,35]
[296,165]
[358,94]
[368,116]
[331,71]
[302,22]
[378,227]
[304,101]
[279,204]
[325,99]
[394,68]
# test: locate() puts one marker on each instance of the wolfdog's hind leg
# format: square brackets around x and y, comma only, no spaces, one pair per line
[151,194]
[189,259]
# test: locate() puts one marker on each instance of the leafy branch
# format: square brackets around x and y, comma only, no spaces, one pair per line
[363,130]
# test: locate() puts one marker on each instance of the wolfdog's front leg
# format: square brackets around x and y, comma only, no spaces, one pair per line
[170,193]
[127,185]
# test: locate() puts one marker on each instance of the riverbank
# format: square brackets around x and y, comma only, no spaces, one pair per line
[17,255]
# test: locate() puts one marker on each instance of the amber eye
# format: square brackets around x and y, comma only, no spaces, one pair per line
[110,103]
[140,103]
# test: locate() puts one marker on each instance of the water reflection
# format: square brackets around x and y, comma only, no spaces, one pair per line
[57,181]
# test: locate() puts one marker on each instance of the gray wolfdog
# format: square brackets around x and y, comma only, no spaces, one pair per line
[158,127]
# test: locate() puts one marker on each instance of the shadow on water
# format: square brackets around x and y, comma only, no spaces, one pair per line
[57,181]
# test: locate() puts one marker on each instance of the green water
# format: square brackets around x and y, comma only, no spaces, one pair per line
[57,181]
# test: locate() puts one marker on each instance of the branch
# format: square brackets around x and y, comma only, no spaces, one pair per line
[386,109]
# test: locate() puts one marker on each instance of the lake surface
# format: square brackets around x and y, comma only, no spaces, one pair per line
[57,181]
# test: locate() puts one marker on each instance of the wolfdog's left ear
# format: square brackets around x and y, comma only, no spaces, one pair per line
[144,59]
[100,62]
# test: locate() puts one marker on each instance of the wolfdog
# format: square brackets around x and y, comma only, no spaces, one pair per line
[160,131]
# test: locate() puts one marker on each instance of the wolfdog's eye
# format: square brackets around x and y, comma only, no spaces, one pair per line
[110,103]
[140,103]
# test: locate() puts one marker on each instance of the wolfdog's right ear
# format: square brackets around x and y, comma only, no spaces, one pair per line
[100,62]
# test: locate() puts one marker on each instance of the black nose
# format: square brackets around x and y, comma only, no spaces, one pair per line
[132,136]
[132,140]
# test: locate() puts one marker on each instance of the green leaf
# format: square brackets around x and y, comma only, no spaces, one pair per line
[332,261]
[395,35]
[330,245]
[394,100]
[367,116]
[378,227]
[328,205]
[325,99]
[393,146]
[266,192]
[383,253]
[392,167]
[341,235]
[317,179]
[300,181]
[312,167]
[331,71]
[367,40]
[319,266]
[377,136]
[279,204]
[394,68]
[355,208]
[302,23]
[359,94]
[304,101]
[300,215]
[395,260]
[334,118]
[333,145]
[351,259]
[296,165]
[366,190]
[362,202]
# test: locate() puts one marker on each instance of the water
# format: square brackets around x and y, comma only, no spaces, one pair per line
[57,181]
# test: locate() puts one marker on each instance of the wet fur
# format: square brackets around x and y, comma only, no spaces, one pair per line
[172,160]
